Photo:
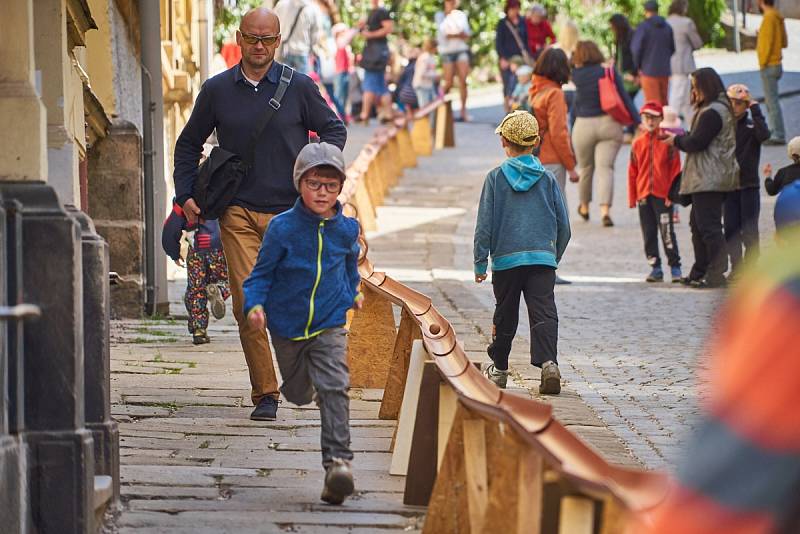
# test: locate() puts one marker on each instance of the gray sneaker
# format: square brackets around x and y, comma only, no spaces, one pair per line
[215,301]
[550,383]
[500,378]
[338,482]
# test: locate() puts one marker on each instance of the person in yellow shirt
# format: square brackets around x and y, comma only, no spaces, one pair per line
[771,40]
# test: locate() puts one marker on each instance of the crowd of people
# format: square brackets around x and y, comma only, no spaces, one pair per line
[290,254]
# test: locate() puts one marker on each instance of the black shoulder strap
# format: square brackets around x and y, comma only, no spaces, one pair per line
[274,105]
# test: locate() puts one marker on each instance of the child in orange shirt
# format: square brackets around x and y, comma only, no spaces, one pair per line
[652,171]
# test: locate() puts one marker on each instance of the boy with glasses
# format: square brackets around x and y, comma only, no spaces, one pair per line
[305,280]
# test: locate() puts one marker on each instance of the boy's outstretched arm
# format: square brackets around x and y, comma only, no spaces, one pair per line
[483,231]
[562,219]
[257,286]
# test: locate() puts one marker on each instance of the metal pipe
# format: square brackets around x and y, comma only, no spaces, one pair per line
[148,107]
[204,25]
[155,201]
[737,46]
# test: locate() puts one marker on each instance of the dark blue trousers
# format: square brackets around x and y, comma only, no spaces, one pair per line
[741,211]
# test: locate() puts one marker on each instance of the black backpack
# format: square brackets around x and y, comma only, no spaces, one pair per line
[220,175]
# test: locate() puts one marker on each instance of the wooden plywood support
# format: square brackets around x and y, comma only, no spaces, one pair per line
[474,431]
[421,473]
[408,410]
[576,516]
[398,372]
[445,132]
[447,412]
[394,160]
[448,509]
[515,478]
[407,154]
[363,203]
[614,517]
[371,340]
[421,136]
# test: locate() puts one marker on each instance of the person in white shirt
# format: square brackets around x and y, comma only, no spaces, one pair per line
[453,35]
[426,74]
[300,31]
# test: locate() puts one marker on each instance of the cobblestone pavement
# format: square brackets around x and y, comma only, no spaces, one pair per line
[628,349]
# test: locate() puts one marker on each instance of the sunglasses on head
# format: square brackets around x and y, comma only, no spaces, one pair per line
[266,40]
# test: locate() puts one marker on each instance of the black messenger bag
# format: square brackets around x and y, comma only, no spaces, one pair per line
[220,175]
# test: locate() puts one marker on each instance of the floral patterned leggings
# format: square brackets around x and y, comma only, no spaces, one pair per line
[203,269]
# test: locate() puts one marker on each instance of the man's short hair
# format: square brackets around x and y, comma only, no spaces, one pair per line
[770,3]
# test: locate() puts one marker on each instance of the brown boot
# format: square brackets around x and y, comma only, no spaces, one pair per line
[550,383]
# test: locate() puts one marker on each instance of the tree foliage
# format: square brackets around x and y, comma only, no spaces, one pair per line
[415,18]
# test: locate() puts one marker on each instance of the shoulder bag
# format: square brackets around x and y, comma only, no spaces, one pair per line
[222,172]
[522,46]
[611,102]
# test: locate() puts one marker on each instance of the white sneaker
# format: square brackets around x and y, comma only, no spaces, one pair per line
[499,377]
[215,301]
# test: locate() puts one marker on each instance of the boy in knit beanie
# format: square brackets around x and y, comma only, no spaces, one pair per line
[305,279]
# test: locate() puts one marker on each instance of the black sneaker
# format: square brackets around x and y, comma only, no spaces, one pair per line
[267,410]
[338,482]
[200,337]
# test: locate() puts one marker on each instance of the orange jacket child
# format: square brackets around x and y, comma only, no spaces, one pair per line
[652,171]
[653,168]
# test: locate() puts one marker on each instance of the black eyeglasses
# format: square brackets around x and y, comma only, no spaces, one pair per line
[330,187]
[266,40]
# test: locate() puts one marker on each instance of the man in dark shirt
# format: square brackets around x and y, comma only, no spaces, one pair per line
[230,102]
[653,45]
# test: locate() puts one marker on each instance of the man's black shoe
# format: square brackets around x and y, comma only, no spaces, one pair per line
[266,410]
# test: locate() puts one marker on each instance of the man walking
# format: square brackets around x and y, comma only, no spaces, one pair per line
[375,30]
[300,22]
[771,40]
[652,46]
[230,102]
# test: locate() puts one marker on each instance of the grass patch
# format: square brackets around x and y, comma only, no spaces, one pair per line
[151,332]
[205,444]
[145,341]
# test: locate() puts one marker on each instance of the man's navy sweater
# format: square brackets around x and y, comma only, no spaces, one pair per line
[230,103]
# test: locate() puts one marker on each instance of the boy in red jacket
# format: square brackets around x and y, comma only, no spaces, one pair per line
[653,169]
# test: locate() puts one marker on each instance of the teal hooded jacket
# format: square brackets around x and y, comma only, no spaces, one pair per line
[522,217]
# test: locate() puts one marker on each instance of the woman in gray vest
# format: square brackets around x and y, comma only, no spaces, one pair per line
[709,173]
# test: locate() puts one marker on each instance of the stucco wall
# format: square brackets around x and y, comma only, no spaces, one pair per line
[127,72]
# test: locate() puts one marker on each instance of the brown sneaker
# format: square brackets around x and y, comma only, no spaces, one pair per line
[338,482]
[550,383]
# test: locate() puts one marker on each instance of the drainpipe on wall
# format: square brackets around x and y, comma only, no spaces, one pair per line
[204,25]
[155,201]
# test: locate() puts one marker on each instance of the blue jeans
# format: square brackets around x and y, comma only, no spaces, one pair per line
[297,62]
[769,78]
[341,90]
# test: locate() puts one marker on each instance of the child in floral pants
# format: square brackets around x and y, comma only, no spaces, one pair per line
[207,271]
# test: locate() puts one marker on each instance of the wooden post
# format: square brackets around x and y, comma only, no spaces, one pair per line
[440,127]
[369,348]
[615,519]
[408,410]
[577,516]
[398,372]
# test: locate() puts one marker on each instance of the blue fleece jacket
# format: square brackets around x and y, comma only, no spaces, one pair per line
[522,218]
[306,276]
